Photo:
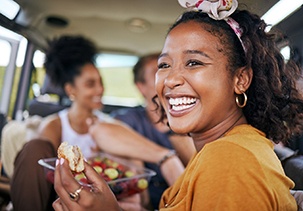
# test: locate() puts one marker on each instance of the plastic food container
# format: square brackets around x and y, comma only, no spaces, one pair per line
[124,178]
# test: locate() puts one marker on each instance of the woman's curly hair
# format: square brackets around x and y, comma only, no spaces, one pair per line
[274,104]
[65,57]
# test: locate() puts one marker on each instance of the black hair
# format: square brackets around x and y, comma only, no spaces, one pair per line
[65,57]
[274,104]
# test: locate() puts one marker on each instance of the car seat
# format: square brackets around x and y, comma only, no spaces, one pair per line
[42,106]
[292,163]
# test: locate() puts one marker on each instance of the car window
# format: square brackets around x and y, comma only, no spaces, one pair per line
[4,59]
[11,59]
[116,70]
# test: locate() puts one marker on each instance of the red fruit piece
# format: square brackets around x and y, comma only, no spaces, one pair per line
[50,176]
[81,178]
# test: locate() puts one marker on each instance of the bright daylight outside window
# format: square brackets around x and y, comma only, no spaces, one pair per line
[285,51]
[7,40]
[6,49]
[116,70]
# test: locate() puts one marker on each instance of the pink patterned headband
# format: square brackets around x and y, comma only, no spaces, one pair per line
[217,10]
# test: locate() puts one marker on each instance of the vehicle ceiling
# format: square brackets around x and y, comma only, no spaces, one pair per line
[104,21]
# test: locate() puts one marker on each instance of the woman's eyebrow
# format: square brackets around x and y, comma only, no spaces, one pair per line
[188,52]
[197,52]
[162,55]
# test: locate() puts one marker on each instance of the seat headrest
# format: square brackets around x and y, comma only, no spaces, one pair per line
[49,88]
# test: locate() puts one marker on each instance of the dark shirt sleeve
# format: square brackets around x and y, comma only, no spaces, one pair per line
[137,119]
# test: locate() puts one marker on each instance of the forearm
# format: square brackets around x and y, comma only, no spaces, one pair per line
[184,147]
[123,141]
[172,169]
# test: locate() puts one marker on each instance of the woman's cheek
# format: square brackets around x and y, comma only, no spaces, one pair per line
[159,82]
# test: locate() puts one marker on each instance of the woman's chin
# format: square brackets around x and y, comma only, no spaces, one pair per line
[97,106]
[179,130]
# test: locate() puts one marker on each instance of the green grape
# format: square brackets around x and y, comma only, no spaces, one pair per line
[98,169]
[142,184]
[129,173]
[111,173]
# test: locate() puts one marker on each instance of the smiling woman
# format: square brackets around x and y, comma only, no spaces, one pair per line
[215,65]
[222,80]
[126,30]
[70,64]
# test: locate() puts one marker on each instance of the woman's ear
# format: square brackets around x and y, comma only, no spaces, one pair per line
[243,78]
[68,88]
[142,88]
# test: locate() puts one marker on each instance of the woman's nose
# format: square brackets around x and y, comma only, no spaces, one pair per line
[100,88]
[174,79]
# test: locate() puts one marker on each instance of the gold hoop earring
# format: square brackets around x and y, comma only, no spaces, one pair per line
[244,101]
[72,97]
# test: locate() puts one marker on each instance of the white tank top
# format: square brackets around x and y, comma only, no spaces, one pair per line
[84,141]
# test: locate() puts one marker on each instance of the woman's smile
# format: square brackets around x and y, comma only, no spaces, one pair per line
[96,99]
[180,105]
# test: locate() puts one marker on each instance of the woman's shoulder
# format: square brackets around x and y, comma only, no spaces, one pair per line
[222,148]
[249,147]
[50,129]
[51,122]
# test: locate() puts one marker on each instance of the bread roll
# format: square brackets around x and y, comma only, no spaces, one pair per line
[74,156]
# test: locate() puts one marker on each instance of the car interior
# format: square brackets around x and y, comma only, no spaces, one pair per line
[129,28]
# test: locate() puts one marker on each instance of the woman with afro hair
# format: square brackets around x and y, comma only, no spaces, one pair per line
[70,64]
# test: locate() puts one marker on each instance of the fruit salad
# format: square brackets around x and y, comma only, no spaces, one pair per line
[123,178]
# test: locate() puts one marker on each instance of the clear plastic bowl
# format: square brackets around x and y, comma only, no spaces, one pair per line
[124,178]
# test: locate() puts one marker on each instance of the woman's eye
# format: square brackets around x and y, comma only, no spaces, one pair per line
[192,63]
[90,84]
[163,65]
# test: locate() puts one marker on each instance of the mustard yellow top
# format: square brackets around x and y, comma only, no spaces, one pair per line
[239,171]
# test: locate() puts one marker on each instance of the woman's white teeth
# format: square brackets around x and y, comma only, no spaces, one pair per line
[183,100]
[181,107]
[96,99]
[181,103]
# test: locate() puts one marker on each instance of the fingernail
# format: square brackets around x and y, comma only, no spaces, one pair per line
[57,162]
[61,161]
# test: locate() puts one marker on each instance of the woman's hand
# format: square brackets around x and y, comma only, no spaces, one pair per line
[75,198]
